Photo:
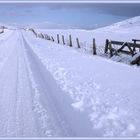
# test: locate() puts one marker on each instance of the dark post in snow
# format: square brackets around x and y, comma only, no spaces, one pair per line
[106,45]
[94,47]
[110,49]
[48,38]
[52,38]
[78,44]
[63,40]
[42,36]
[70,41]
[58,39]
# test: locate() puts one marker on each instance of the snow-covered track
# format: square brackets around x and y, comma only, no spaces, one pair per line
[55,101]
[31,102]
[47,91]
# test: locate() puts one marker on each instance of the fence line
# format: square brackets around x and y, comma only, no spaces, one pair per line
[69,43]
[107,49]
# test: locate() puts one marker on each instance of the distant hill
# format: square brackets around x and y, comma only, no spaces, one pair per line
[47,25]
[129,25]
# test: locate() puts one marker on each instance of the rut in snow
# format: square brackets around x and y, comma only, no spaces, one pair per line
[31,103]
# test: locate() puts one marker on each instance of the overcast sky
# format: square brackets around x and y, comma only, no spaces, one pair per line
[76,15]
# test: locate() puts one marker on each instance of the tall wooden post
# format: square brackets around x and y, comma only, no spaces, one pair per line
[63,40]
[94,47]
[134,49]
[110,49]
[52,38]
[58,39]
[42,36]
[78,44]
[106,45]
[48,38]
[70,41]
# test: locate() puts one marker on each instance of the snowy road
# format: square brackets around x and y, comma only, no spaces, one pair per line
[31,103]
[46,91]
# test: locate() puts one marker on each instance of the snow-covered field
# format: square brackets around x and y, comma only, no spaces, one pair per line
[121,31]
[51,90]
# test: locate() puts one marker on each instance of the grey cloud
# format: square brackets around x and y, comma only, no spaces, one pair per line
[118,9]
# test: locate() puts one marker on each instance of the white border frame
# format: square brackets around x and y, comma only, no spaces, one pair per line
[69,1]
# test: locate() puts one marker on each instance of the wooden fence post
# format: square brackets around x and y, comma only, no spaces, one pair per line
[42,36]
[94,47]
[52,38]
[36,34]
[70,41]
[134,49]
[63,40]
[48,37]
[110,49]
[78,44]
[106,45]
[58,39]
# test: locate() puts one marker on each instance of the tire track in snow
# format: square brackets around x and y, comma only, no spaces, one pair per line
[25,119]
[16,114]
[8,86]
[48,122]
[42,117]
[57,100]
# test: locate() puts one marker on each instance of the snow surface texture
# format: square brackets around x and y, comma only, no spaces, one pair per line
[106,91]
[50,90]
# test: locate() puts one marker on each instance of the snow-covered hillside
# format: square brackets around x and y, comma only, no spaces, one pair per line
[51,90]
[122,31]
[127,26]
[47,25]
